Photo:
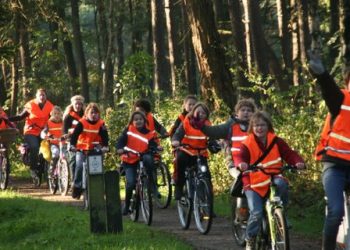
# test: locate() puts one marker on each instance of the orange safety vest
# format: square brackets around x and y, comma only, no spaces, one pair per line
[338,141]
[90,134]
[324,138]
[2,124]
[75,121]
[172,130]
[195,138]
[136,142]
[54,129]
[237,137]
[37,118]
[150,122]
[259,182]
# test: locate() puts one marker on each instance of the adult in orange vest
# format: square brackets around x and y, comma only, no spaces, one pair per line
[53,131]
[36,114]
[138,139]
[90,130]
[334,146]
[256,184]
[72,114]
[187,133]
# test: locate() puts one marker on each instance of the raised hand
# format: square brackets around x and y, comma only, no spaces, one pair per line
[315,63]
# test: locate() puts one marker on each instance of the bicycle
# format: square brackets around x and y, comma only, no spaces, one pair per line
[163,183]
[6,137]
[197,196]
[142,193]
[273,232]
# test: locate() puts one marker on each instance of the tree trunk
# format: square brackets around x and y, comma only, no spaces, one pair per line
[248,44]
[78,43]
[295,44]
[3,96]
[216,79]
[345,30]
[235,12]
[304,32]
[168,6]
[136,14]
[14,86]
[334,29]
[161,68]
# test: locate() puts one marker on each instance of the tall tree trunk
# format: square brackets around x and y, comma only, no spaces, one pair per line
[14,86]
[190,64]
[248,43]
[3,96]
[235,12]
[168,7]
[216,79]
[120,43]
[295,43]
[304,32]
[136,13]
[345,30]
[78,43]
[161,68]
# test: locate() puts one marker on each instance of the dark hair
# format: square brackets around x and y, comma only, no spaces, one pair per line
[92,106]
[263,116]
[247,102]
[137,113]
[190,97]
[143,104]
[199,104]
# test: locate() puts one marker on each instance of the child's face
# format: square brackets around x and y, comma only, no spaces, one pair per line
[138,121]
[200,113]
[56,115]
[77,106]
[244,113]
[260,128]
[189,104]
[93,115]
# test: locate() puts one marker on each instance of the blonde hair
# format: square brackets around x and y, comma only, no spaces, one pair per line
[246,102]
[58,109]
[92,106]
[78,98]
[260,115]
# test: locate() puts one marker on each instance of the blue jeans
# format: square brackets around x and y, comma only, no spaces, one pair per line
[334,178]
[78,173]
[256,206]
[34,144]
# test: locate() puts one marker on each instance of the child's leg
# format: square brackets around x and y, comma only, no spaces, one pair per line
[130,175]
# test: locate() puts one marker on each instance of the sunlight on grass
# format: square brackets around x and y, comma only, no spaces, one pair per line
[36,224]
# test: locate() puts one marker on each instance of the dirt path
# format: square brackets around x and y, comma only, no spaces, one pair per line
[166,220]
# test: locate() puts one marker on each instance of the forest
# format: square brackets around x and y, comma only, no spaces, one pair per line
[115,51]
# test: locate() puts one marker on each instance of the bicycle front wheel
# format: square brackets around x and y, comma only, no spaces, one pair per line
[203,206]
[280,239]
[134,206]
[52,180]
[63,176]
[4,172]
[184,209]
[146,201]
[163,197]
[238,222]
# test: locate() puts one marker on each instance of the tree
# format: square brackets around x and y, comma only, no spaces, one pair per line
[216,80]
[345,30]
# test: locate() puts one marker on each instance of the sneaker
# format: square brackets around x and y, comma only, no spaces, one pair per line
[76,193]
[250,244]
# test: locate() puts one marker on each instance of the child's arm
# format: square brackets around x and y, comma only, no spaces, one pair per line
[121,141]
[159,128]
[103,132]
[178,136]
[219,131]
[77,131]
[174,127]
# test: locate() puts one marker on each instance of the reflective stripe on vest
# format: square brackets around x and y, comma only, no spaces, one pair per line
[90,134]
[75,121]
[338,143]
[237,137]
[55,129]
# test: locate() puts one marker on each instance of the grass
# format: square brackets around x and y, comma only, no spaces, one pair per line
[306,221]
[28,223]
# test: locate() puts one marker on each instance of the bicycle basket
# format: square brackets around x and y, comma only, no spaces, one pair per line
[8,135]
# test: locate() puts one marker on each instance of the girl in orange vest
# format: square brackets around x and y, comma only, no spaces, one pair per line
[4,120]
[72,114]
[187,133]
[334,147]
[36,114]
[139,139]
[256,184]
[89,131]
[53,131]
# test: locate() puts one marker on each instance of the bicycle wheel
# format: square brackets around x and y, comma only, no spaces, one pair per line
[280,240]
[239,224]
[63,176]
[4,172]
[163,197]
[52,180]
[184,209]
[134,205]
[203,206]
[146,201]
[262,239]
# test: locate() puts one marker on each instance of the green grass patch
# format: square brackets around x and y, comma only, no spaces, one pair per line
[28,223]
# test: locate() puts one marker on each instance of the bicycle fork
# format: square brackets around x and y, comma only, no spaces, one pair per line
[272,203]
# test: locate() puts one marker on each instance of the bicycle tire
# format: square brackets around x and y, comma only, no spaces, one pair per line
[4,172]
[203,206]
[184,209]
[280,229]
[52,180]
[163,182]
[135,205]
[63,176]
[238,226]
[262,241]
[146,201]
